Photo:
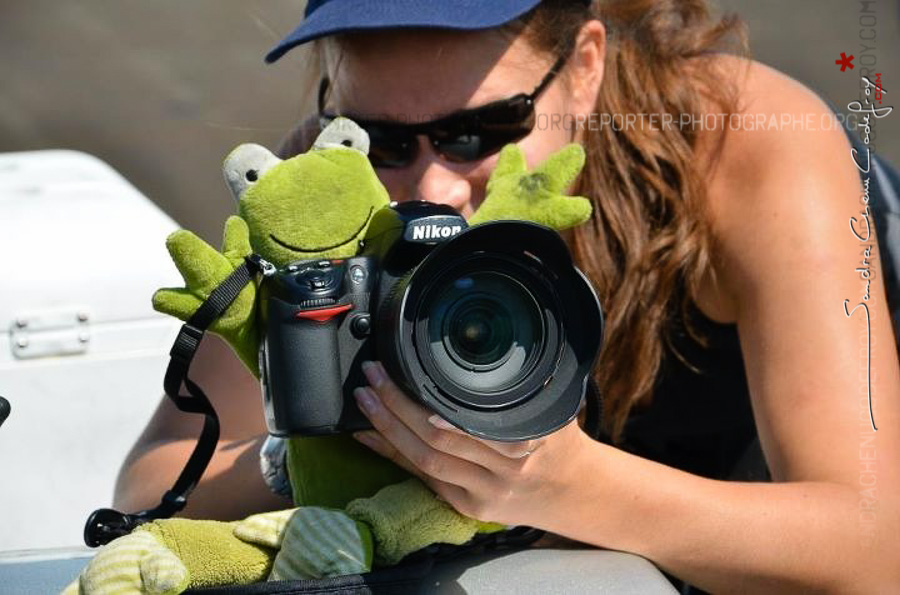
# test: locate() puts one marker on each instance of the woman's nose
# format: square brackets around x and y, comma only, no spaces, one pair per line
[439,184]
[431,178]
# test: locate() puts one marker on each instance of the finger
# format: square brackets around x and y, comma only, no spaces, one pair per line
[199,264]
[510,161]
[373,440]
[567,211]
[179,303]
[510,450]
[236,240]
[562,167]
[559,212]
[415,417]
[580,208]
[430,461]
[446,491]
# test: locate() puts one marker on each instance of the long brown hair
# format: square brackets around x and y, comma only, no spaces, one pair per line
[647,247]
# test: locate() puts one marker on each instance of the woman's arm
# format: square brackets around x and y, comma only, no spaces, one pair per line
[780,209]
[730,537]
[232,486]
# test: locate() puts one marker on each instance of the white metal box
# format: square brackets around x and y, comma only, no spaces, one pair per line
[82,353]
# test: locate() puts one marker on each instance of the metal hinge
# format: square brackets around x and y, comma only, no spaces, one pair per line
[50,333]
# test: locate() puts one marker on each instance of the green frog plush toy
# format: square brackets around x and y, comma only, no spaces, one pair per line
[355,510]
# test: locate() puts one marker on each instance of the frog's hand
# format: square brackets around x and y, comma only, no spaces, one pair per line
[539,196]
[314,542]
[136,563]
[320,542]
[203,269]
[407,516]
[265,529]
[168,556]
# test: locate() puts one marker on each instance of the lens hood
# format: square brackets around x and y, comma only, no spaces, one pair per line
[535,279]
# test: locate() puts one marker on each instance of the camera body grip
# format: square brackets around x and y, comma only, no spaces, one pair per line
[300,364]
[317,328]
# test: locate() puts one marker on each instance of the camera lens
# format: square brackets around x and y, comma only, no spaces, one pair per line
[495,330]
[485,331]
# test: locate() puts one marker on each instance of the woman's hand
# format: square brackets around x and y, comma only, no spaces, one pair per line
[510,483]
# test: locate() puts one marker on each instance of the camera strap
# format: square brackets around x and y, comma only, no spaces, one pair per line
[593,424]
[106,524]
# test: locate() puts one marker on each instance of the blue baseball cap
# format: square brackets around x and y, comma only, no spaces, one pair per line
[329,17]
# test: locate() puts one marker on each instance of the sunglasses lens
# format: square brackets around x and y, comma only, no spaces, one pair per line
[462,148]
[486,130]
[390,148]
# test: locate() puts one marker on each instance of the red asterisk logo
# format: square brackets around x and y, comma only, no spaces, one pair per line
[844,62]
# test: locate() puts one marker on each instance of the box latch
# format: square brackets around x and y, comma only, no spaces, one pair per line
[51,333]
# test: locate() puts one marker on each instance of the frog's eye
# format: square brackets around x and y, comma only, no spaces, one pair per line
[245,166]
[343,133]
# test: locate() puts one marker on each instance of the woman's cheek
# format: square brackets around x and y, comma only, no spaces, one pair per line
[395,183]
[540,144]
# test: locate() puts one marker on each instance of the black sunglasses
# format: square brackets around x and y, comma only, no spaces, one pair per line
[465,135]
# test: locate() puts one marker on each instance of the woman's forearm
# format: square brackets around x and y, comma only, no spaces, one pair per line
[232,487]
[730,536]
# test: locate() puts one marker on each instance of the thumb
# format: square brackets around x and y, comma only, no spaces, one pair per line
[236,241]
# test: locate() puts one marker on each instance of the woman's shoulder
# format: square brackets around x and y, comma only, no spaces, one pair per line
[778,124]
[780,167]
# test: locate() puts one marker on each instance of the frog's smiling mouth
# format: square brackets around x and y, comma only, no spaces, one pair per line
[340,244]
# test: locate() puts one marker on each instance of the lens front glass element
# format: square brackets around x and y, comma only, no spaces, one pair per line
[478,332]
[485,331]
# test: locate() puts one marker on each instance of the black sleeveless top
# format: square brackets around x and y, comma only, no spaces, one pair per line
[700,422]
[703,422]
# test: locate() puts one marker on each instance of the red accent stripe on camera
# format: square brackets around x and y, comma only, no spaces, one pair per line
[323,314]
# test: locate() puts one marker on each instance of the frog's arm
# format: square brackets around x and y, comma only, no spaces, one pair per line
[203,269]
[513,192]
[169,556]
[400,519]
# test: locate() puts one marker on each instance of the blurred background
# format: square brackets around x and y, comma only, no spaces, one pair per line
[163,90]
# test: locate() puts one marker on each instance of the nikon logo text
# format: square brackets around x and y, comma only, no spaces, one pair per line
[435,232]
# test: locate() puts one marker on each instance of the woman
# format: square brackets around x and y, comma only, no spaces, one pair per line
[722,255]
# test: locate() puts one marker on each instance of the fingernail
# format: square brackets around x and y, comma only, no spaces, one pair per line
[368,439]
[439,422]
[366,399]
[374,373]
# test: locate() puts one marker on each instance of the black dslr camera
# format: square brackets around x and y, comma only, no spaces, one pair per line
[492,327]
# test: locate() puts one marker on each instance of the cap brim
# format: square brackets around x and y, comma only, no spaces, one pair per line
[364,15]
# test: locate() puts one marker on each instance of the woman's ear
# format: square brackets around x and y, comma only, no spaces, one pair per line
[586,68]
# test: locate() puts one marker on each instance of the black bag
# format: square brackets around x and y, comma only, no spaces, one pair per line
[407,577]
